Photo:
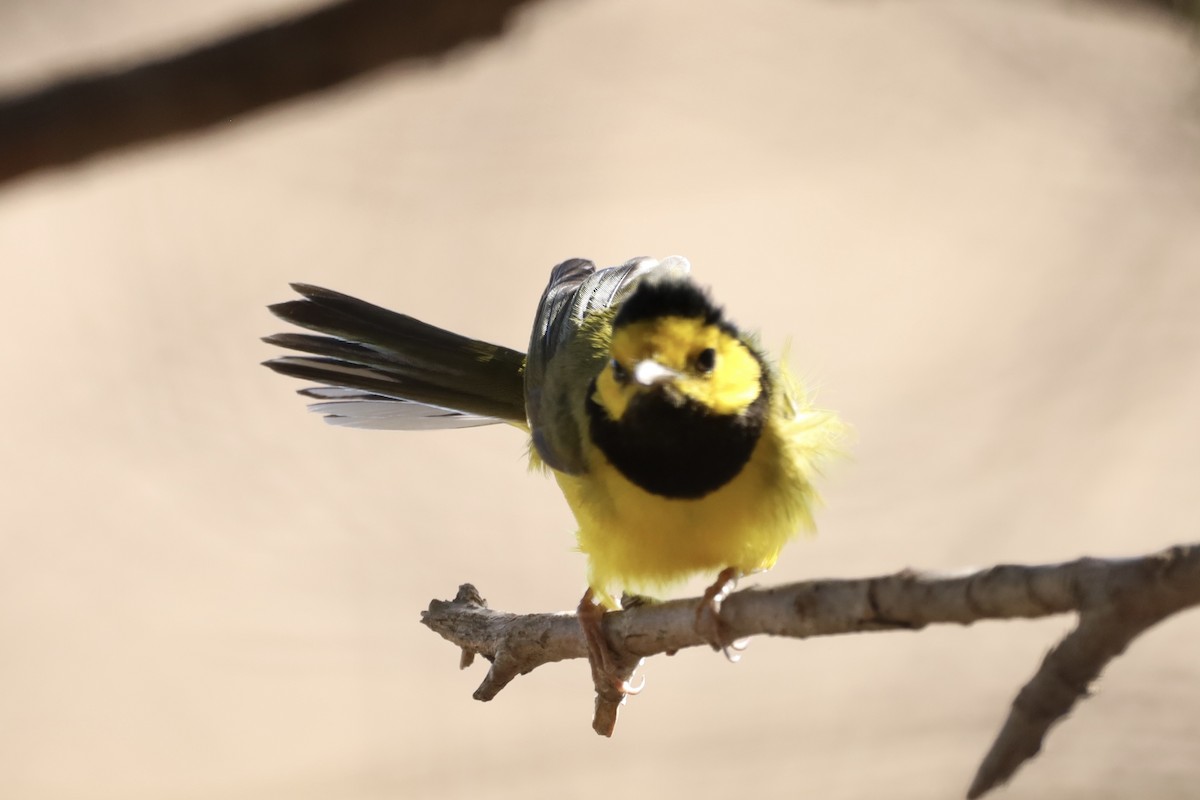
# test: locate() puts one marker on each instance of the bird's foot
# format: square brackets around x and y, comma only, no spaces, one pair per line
[709,624]
[629,600]
[610,673]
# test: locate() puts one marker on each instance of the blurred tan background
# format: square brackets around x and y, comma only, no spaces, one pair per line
[978,224]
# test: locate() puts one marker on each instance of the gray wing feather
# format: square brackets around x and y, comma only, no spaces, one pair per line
[576,291]
[354,408]
[395,415]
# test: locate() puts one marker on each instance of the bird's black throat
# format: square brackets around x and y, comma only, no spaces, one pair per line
[681,451]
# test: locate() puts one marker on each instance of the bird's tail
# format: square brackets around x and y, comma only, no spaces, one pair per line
[380,369]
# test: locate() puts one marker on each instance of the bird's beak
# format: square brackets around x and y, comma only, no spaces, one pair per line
[651,373]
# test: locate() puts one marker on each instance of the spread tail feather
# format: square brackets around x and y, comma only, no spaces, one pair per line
[381,369]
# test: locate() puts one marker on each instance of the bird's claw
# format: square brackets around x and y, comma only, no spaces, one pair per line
[607,672]
[630,690]
[709,624]
[611,673]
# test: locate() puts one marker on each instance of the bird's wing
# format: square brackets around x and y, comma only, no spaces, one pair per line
[576,292]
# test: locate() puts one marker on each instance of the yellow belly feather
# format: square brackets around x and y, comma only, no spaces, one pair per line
[642,542]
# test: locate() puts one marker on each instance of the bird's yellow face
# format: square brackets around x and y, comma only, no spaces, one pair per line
[685,358]
[679,407]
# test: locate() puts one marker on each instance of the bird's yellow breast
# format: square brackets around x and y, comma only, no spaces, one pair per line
[640,541]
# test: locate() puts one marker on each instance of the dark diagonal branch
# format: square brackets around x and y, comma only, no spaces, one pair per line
[1116,600]
[90,114]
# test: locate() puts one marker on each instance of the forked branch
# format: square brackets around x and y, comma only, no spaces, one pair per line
[1116,600]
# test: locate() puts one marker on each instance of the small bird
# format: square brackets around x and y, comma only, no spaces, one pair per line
[680,448]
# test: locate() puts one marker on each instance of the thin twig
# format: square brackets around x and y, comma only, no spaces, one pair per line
[1116,599]
[93,113]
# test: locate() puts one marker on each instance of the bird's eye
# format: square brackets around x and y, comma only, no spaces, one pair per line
[706,360]
[620,374]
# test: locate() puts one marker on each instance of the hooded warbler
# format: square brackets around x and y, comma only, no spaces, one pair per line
[680,448]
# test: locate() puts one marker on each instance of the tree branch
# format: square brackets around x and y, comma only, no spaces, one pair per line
[90,114]
[1116,601]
